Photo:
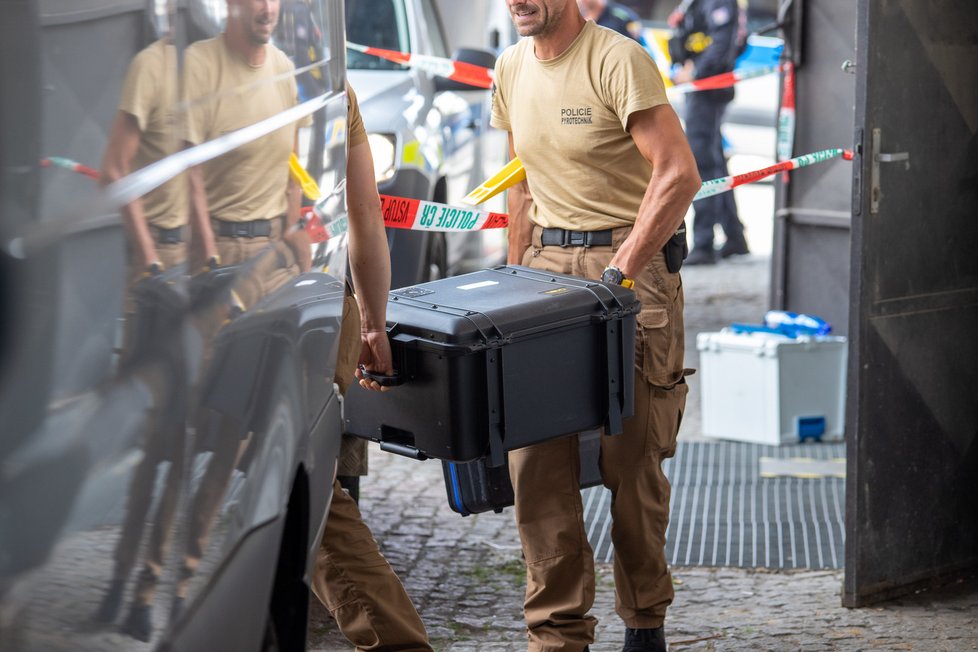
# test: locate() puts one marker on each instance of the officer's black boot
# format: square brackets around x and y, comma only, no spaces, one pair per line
[644,640]
[109,609]
[701,256]
[139,623]
[176,608]
[734,246]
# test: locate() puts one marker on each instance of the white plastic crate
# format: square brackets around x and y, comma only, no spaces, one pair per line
[766,388]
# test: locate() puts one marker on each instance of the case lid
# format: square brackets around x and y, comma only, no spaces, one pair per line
[494,306]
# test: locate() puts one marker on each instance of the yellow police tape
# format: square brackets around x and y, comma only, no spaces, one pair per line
[510,175]
[298,173]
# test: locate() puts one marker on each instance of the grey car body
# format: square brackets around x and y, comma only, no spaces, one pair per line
[430,136]
[82,424]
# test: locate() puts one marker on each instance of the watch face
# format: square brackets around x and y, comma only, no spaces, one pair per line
[612,276]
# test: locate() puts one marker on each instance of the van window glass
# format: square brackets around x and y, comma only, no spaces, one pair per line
[435,31]
[379,24]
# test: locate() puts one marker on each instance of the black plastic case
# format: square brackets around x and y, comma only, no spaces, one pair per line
[500,359]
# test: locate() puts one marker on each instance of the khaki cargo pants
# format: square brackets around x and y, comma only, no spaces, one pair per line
[351,577]
[161,443]
[266,263]
[549,511]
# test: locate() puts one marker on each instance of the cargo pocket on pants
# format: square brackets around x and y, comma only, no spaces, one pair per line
[349,345]
[665,417]
[654,347]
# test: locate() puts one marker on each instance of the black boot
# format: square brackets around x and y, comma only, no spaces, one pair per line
[701,256]
[644,640]
[176,608]
[139,623]
[734,246]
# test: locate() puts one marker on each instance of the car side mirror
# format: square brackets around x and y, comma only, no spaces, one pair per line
[476,57]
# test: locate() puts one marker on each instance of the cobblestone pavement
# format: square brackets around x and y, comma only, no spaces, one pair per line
[467,579]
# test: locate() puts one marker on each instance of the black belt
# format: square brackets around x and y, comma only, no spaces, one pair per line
[251,229]
[564,238]
[169,236]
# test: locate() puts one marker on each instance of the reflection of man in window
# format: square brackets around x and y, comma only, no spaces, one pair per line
[242,207]
[143,133]
[243,200]
[156,229]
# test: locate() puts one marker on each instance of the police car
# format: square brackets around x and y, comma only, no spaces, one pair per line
[429,136]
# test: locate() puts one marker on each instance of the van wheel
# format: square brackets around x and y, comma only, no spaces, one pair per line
[436,259]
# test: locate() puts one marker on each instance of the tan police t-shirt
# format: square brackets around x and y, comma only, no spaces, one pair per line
[149,94]
[224,94]
[568,117]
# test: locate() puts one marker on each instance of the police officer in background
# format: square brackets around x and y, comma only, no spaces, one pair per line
[708,38]
[613,16]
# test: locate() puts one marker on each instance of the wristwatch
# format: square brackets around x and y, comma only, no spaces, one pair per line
[613,276]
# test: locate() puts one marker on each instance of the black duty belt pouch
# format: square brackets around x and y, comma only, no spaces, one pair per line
[676,250]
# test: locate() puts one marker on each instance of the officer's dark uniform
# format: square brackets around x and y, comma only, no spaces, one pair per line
[718,21]
[623,20]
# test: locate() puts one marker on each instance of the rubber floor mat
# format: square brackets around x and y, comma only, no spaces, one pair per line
[723,512]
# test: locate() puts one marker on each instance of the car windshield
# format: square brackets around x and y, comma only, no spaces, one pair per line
[378,24]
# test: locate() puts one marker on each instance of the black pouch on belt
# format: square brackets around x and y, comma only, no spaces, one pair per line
[676,250]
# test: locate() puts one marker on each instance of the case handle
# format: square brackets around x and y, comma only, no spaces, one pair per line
[383,380]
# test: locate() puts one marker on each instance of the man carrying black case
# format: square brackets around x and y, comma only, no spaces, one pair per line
[609,177]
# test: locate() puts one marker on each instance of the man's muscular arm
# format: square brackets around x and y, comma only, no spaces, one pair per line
[369,263]
[518,202]
[659,137]
[117,163]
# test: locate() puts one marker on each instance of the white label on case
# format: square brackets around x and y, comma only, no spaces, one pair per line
[474,286]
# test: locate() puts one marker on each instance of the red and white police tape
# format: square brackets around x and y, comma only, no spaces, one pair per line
[725,184]
[467,73]
[723,80]
[68,164]
[402,213]
[786,115]
[414,214]
[482,77]
[420,215]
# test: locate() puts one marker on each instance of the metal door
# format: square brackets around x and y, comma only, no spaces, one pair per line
[813,216]
[912,409]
